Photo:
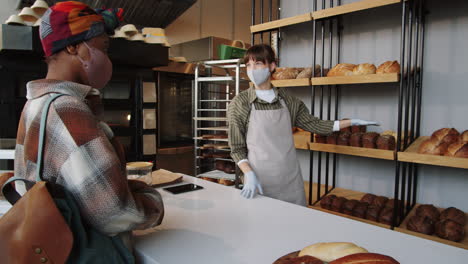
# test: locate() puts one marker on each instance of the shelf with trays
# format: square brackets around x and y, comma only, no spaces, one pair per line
[351,8]
[411,155]
[354,151]
[291,82]
[340,192]
[403,229]
[357,79]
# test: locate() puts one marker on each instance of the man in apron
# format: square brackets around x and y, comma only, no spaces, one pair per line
[260,132]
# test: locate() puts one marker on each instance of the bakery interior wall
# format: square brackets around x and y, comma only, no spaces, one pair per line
[7,8]
[228,19]
[374,36]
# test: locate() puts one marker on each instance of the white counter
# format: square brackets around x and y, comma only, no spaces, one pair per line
[217,225]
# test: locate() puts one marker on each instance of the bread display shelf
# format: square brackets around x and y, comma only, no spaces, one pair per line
[281,23]
[214,128]
[352,7]
[411,155]
[353,151]
[291,82]
[402,229]
[210,119]
[357,79]
[302,139]
[212,139]
[348,194]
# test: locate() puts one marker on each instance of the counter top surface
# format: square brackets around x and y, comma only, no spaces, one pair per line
[217,225]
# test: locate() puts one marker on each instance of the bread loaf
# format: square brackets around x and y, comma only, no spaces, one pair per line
[369,140]
[342,69]
[332,139]
[373,212]
[389,67]
[451,230]
[320,139]
[210,179]
[420,224]
[300,260]
[307,72]
[464,136]
[368,198]
[326,201]
[348,206]
[226,182]
[364,69]
[386,216]
[331,251]
[458,149]
[454,214]
[446,135]
[337,204]
[345,129]
[285,73]
[356,140]
[357,129]
[365,258]
[386,142]
[360,210]
[391,203]
[343,139]
[433,146]
[380,201]
[429,211]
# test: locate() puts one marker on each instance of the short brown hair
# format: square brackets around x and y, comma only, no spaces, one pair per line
[260,52]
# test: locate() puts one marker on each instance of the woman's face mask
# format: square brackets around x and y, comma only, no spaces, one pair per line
[258,72]
[98,68]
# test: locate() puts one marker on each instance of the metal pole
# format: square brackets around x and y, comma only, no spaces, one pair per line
[195,121]
[312,110]
[252,37]
[270,15]
[330,49]
[261,20]
[337,91]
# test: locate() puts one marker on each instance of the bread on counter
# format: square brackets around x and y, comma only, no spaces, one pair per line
[210,179]
[300,260]
[454,214]
[451,230]
[420,224]
[331,251]
[226,182]
[365,258]
[342,69]
[364,69]
[389,67]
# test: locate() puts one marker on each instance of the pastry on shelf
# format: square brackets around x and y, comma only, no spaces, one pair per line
[451,230]
[357,129]
[464,136]
[446,135]
[454,214]
[356,140]
[337,204]
[388,67]
[386,142]
[433,146]
[210,179]
[343,139]
[349,205]
[365,258]
[420,224]
[380,201]
[368,198]
[342,69]
[326,201]
[386,216]
[226,182]
[429,211]
[373,212]
[285,73]
[391,203]
[458,149]
[332,138]
[307,72]
[331,251]
[360,210]
[364,69]
[369,140]
[320,139]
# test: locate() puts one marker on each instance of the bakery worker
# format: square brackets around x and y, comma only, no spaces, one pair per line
[260,132]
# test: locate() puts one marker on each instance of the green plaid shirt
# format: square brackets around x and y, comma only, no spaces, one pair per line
[239,114]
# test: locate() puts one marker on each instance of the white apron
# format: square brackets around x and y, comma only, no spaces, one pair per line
[272,155]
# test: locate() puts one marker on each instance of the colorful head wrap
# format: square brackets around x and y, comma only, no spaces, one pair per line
[72,22]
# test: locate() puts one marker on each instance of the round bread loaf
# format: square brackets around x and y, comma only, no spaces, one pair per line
[386,142]
[433,146]
[386,216]
[300,260]
[373,212]
[368,198]
[446,135]
[429,211]
[285,73]
[348,206]
[454,214]
[343,139]
[360,210]
[364,69]
[332,138]
[326,201]
[356,129]
[458,149]
[210,179]
[365,258]
[464,136]
[420,224]
[369,140]
[389,67]
[331,251]
[320,139]
[337,204]
[342,69]
[226,182]
[391,203]
[356,140]
[380,201]
[451,230]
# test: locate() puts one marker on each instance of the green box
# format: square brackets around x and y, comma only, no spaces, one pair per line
[226,52]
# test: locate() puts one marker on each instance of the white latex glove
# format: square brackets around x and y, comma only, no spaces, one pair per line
[359,122]
[251,185]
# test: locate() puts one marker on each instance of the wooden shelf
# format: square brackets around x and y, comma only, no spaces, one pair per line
[212,139]
[291,82]
[214,128]
[352,7]
[210,118]
[281,23]
[348,194]
[357,79]
[353,151]
[302,139]
[411,155]
[402,228]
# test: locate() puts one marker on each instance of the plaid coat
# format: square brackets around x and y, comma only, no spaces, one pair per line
[79,156]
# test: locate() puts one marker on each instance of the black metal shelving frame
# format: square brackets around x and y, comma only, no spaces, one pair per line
[409,95]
